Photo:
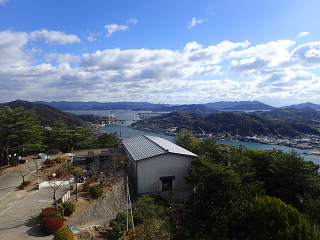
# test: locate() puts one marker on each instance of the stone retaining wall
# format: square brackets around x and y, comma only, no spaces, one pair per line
[111,202]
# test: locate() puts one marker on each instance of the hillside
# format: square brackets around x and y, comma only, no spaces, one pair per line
[195,108]
[305,115]
[47,113]
[304,105]
[224,105]
[252,106]
[63,105]
[244,124]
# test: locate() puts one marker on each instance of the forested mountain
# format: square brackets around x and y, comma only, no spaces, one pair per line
[296,115]
[63,105]
[195,108]
[225,105]
[304,105]
[252,106]
[242,123]
[47,113]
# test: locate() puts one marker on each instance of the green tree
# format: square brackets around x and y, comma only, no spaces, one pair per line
[106,140]
[187,140]
[219,200]
[20,130]
[149,209]
[292,178]
[270,218]
[151,229]
[59,137]
[81,138]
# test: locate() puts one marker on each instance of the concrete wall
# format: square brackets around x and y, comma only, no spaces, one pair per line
[56,183]
[110,203]
[150,170]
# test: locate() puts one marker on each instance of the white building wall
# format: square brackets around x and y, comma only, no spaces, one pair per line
[150,170]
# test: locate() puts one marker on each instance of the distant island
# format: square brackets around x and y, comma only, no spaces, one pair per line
[196,108]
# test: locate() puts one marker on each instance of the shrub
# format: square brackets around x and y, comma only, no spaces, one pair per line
[90,181]
[96,191]
[64,234]
[119,225]
[61,209]
[67,208]
[76,169]
[51,224]
[60,159]
[74,191]
[55,214]
[13,162]
[50,162]
[86,187]
[46,211]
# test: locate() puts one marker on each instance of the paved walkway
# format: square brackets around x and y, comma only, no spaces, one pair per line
[19,209]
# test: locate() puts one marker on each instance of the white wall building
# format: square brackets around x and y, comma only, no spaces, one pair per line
[156,165]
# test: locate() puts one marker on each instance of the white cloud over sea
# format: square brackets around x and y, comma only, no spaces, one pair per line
[274,70]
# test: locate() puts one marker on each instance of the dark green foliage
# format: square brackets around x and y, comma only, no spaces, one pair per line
[150,219]
[96,191]
[13,162]
[51,224]
[148,208]
[218,200]
[64,234]
[67,208]
[65,139]
[119,225]
[55,214]
[107,140]
[228,181]
[292,177]
[47,113]
[20,129]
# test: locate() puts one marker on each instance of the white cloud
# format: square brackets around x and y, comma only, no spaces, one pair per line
[132,20]
[3,1]
[61,58]
[302,34]
[191,46]
[12,53]
[275,56]
[92,36]
[194,21]
[54,36]
[268,71]
[112,28]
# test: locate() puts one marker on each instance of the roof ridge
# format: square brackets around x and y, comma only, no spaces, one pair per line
[146,136]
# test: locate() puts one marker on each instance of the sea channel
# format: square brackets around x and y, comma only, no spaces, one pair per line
[130,116]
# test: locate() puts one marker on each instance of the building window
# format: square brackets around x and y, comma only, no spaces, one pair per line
[167,183]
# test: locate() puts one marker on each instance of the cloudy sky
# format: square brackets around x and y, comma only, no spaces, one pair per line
[160,51]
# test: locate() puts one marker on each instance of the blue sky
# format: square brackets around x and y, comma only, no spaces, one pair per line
[177,52]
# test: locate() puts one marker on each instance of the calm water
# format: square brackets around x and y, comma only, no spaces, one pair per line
[130,116]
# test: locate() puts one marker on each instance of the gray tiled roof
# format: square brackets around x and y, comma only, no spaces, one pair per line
[145,146]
